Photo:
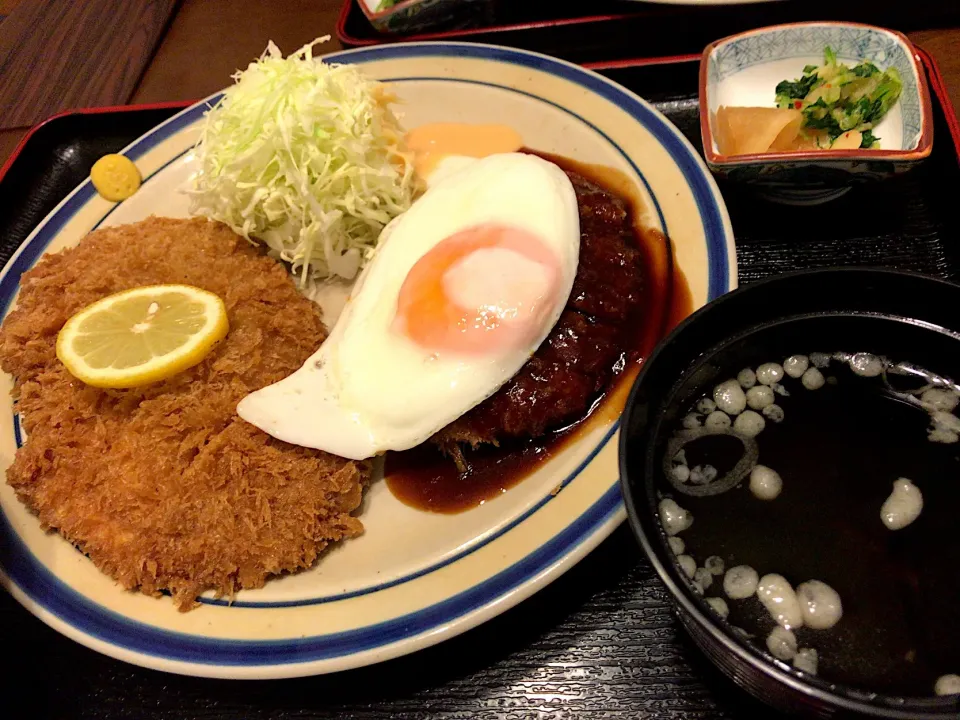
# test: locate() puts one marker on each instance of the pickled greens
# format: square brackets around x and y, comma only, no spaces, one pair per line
[305,157]
[836,99]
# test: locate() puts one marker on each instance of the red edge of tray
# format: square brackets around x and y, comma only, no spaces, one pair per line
[348,39]
[176,104]
[939,88]
[934,76]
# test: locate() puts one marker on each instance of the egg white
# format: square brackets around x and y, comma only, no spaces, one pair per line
[368,388]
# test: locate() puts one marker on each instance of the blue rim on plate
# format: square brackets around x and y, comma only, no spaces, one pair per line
[32,583]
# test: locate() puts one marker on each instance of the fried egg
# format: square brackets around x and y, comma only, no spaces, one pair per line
[462,290]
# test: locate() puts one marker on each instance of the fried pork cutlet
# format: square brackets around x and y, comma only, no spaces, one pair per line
[580,355]
[165,487]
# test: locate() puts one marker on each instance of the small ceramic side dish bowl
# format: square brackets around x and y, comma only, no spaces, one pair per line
[744,70]
[414,16]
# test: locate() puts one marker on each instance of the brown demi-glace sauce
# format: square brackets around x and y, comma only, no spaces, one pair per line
[426,479]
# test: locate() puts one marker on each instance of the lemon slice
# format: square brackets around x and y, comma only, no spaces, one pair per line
[141,336]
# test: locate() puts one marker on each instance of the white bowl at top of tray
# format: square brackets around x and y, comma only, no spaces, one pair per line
[416,16]
[744,69]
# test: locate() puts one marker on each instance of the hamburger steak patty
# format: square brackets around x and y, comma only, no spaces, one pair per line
[578,359]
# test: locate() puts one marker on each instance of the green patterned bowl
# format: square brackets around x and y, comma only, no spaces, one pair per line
[744,69]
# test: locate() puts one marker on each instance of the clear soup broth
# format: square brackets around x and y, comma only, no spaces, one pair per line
[838,450]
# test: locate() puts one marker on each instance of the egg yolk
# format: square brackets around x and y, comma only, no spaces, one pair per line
[484,289]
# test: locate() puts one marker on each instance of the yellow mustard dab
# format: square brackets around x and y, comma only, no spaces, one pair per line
[115,177]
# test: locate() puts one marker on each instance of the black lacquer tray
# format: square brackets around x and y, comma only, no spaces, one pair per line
[589,30]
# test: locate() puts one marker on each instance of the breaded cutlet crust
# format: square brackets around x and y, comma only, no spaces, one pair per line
[165,487]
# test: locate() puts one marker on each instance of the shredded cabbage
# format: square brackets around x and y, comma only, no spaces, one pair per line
[305,157]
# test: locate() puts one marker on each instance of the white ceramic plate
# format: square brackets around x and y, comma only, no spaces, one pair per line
[413,578]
